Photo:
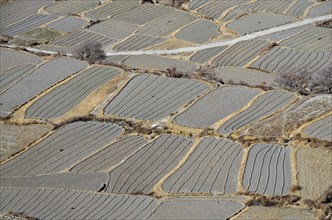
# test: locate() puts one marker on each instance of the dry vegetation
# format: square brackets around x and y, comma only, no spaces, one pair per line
[306,82]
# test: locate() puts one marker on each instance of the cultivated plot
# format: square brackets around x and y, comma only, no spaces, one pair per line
[110,156]
[65,97]
[9,11]
[111,9]
[62,149]
[314,39]
[264,105]
[151,97]
[45,76]
[13,75]
[258,22]
[268,170]
[114,28]
[138,42]
[169,24]
[213,167]
[242,75]
[323,8]
[142,171]
[216,105]
[286,33]
[277,7]
[197,208]
[68,24]
[285,60]
[321,129]
[27,24]
[75,181]
[70,6]
[196,4]
[159,63]
[299,8]
[13,58]
[143,14]
[314,167]
[216,8]
[240,53]
[305,110]
[206,55]
[15,137]
[75,38]
[66,204]
[199,32]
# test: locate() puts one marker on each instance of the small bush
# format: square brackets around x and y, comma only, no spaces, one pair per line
[306,82]
[173,72]
[90,51]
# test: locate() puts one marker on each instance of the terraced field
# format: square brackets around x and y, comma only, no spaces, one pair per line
[183,119]
[12,58]
[53,203]
[315,39]
[44,77]
[63,98]
[138,42]
[114,29]
[76,38]
[242,75]
[241,53]
[27,24]
[206,112]
[169,23]
[159,63]
[206,55]
[268,170]
[258,22]
[263,106]
[142,171]
[213,167]
[198,32]
[61,149]
[110,156]
[216,8]
[68,24]
[320,129]
[70,7]
[9,15]
[285,60]
[150,97]
[11,76]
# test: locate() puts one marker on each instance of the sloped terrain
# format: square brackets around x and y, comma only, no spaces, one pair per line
[185,118]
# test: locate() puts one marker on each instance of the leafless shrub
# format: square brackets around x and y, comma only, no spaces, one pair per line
[5,39]
[173,72]
[295,188]
[262,200]
[324,203]
[325,24]
[89,51]
[306,82]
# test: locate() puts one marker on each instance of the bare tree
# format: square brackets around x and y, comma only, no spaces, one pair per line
[307,82]
[90,51]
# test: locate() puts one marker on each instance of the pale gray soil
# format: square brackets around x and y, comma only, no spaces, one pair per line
[268,170]
[14,138]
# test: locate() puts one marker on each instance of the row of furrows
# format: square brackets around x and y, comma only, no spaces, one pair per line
[213,166]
